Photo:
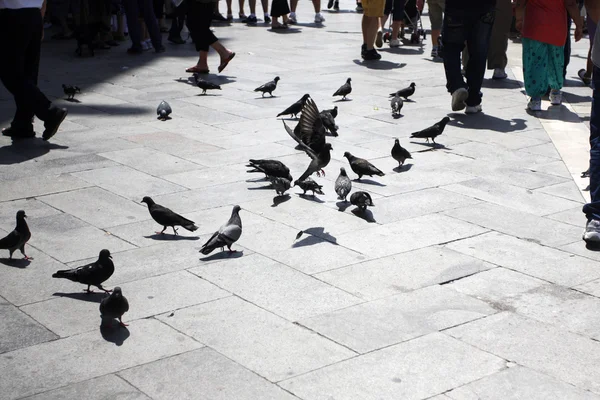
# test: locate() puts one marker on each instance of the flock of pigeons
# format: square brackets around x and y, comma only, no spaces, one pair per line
[310,133]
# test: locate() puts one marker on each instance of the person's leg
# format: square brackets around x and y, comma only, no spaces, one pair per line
[497,59]
[241,4]
[177,24]
[535,72]
[132,13]
[567,48]
[151,23]
[454,34]
[436,11]
[293,6]
[478,41]
[555,73]
[592,209]
[199,19]
[397,20]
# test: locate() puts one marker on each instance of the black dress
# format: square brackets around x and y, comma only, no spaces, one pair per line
[279,8]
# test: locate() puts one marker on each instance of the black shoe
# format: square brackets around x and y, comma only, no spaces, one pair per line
[17,133]
[359,8]
[160,49]
[135,50]
[176,40]
[250,20]
[218,17]
[112,43]
[330,4]
[336,5]
[371,55]
[52,123]
[363,50]
[267,19]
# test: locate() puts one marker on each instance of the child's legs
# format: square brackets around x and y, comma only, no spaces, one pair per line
[535,60]
[556,62]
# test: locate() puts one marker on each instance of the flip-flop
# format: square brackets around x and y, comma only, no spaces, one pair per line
[222,66]
[196,70]
[279,27]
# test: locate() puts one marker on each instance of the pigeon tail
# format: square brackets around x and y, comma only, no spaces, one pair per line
[190,227]
[65,274]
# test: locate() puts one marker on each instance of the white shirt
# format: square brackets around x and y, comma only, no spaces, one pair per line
[16,4]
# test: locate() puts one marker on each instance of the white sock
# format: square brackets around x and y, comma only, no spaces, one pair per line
[252,15]
[293,14]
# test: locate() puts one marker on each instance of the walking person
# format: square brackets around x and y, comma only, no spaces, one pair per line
[470,22]
[372,11]
[21,27]
[177,23]
[395,8]
[592,9]
[319,18]
[543,24]
[199,18]
[436,18]
[279,8]
[145,8]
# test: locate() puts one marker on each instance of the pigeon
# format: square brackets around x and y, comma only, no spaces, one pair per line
[333,111]
[18,237]
[396,104]
[406,92]
[344,90]
[163,110]
[328,121]
[343,185]
[227,234]
[295,108]
[205,85]
[280,184]
[399,153]
[93,274]
[312,139]
[361,166]
[166,217]
[272,168]
[268,87]
[309,184]
[432,131]
[114,306]
[361,200]
[70,91]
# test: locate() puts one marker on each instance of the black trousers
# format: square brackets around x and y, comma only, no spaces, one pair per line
[199,18]
[133,10]
[20,43]
[178,20]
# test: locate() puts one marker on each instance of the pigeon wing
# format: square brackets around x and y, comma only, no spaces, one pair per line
[165,217]
[312,132]
[11,240]
[304,147]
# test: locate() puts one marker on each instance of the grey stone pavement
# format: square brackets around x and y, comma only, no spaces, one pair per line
[468,281]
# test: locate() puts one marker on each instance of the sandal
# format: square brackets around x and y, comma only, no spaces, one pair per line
[585,79]
[279,26]
[223,65]
[196,70]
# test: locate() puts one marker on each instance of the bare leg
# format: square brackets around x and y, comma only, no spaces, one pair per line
[229,9]
[203,61]
[316,5]
[265,6]
[252,7]
[369,25]
[293,6]
[396,25]
[435,34]
[241,3]
[224,53]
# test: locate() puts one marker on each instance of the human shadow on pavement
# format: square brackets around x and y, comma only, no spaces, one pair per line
[367,215]
[15,262]
[486,121]
[573,98]
[114,332]
[431,145]
[26,149]
[556,113]
[380,64]
[94,297]
[501,83]
[170,237]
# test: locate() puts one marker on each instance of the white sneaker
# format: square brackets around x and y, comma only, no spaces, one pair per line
[592,231]
[459,96]
[395,43]
[292,19]
[319,18]
[473,109]
[499,73]
[535,104]
[555,97]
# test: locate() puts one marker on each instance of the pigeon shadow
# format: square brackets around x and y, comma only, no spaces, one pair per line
[277,200]
[22,150]
[170,237]
[486,121]
[164,119]
[72,100]
[402,168]
[114,333]
[379,64]
[15,262]
[307,241]
[265,97]
[209,94]
[224,255]
[343,205]
[320,232]
[310,197]
[367,215]
[432,146]
[284,31]
[269,187]
[342,100]
[369,182]
[94,297]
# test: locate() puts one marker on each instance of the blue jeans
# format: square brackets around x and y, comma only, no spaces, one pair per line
[592,209]
[475,28]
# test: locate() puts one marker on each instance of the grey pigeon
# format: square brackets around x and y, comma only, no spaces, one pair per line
[343,185]
[333,111]
[268,87]
[295,108]
[344,90]
[399,153]
[309,184]
[270,168]
[205,85]
[361,166]
[433,131]
[166,217]
[406,92]
[396,103]
[328,121]
[312,140]
[93,274]
[281,185]
[361,200]
[114,306]
[163,110]
[227,234]
[70,91]
[18,237]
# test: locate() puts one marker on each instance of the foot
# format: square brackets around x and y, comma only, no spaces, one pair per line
[535,104]
[434,52]
[379,39]
[371,55]
[242,16]
[198,69]
[292,19]
[592,232]
[395,43]
[555,97]
[336,5]
[225,61]
[267,19]
[229,17]
[359,8]
[473,109]
[330,4]
[499,73]
[319,18]
[219,17]
[160,49]
[584,77]
[135,50]
[176,40]
[18,133]
[52,123]
[250,20]
[459,96]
